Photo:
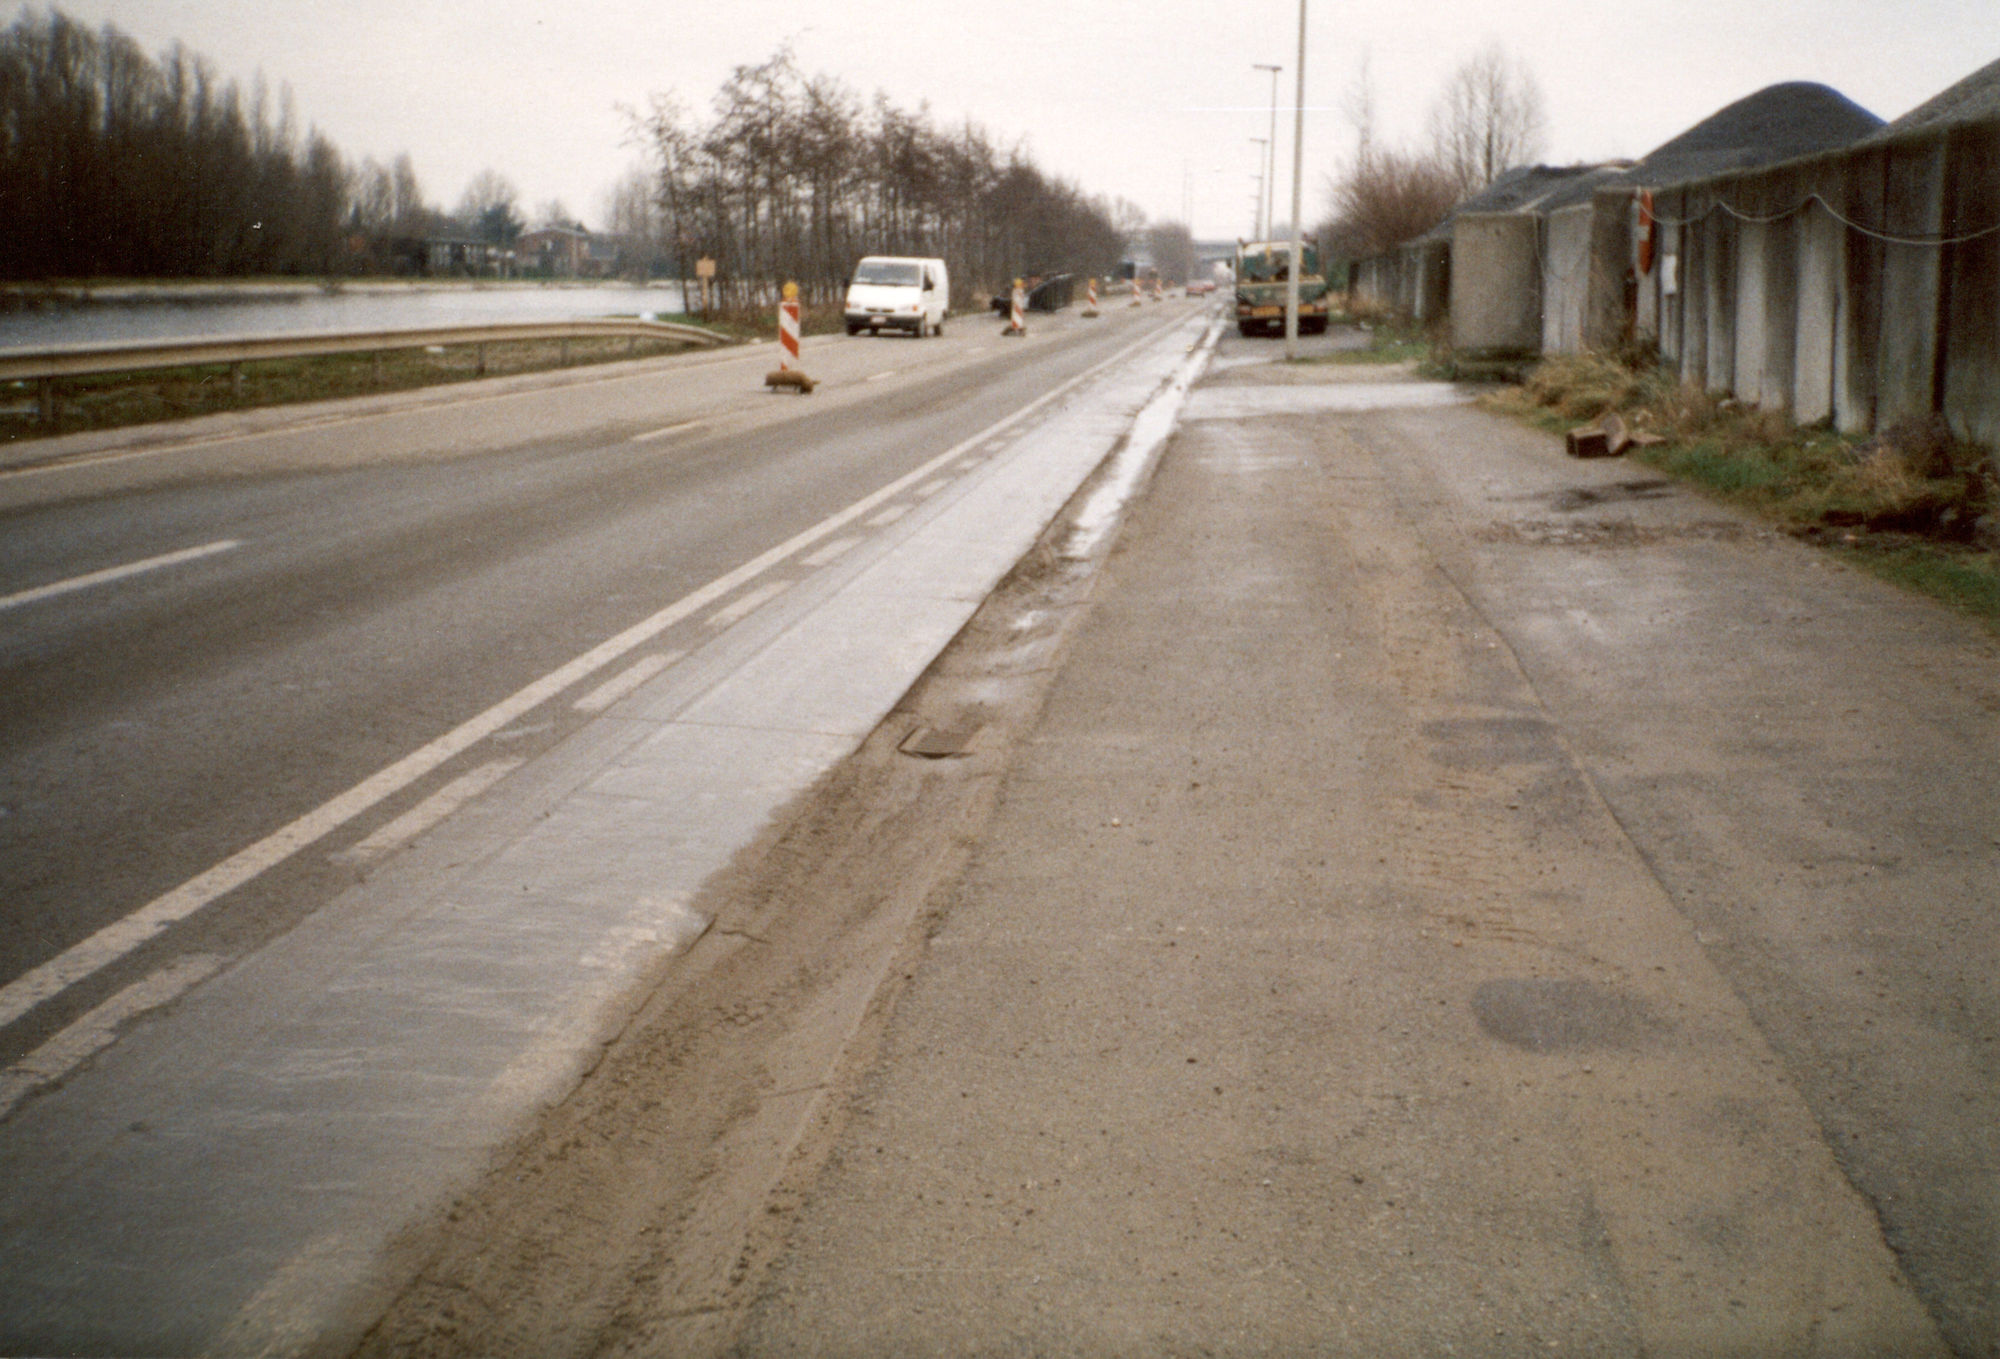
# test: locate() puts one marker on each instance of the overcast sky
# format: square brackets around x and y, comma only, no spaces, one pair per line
[1152,100]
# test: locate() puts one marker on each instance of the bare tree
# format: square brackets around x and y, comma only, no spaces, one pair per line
[1487,119]
[1388,198]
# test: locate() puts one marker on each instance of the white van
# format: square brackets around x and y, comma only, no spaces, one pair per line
[893,292]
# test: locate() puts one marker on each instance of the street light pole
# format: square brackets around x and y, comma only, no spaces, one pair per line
[1263,182]
[1298,174]
[1271,156]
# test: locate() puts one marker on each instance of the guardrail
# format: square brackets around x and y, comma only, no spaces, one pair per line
[47,366]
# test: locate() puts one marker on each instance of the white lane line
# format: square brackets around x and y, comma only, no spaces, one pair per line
[883,376]
[97,1030]
[681,428]
[430,811]
[889,516]
[40,984]
[930,488]
[623,683]
[749,604]
[833,551]
[111,573]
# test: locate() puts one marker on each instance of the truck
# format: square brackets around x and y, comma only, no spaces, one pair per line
[1262,268]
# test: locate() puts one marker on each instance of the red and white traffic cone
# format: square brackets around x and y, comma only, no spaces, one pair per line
[1159,289]
[1138,291]
[788,346]
[1017,309]
[1090,293]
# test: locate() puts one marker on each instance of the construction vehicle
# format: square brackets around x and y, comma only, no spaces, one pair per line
[1262,268]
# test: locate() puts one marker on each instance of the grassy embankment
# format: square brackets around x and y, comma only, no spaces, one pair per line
[116,400]
[1913,505]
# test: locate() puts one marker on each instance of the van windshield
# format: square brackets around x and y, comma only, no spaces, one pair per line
[886,272]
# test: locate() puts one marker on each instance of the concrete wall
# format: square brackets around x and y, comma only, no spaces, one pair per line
[1565,278]
[1496,284]
[1783,304]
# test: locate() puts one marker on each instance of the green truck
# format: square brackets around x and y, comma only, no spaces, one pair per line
[1261,269]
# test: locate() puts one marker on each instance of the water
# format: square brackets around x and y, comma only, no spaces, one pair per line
[137,315]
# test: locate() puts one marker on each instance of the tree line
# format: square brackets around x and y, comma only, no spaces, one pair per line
[112,162]
[1487,119]
[792,177]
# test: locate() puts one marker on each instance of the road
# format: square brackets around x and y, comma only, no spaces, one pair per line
[1429,895]
[343,837]
[1408,891]
[376,582]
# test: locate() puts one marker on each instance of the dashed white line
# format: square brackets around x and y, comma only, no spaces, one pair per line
[681,428]
[889,516]
[623,683]
[97,1030]
[430,811]
[883,376]
[833,551]
[749,604]
[50,979]
[111,573]
[931,488]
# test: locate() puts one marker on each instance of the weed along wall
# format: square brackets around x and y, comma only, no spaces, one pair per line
[1861,287]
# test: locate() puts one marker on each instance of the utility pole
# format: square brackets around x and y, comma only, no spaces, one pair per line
[1298,174]
[1263,183]
[1271,157]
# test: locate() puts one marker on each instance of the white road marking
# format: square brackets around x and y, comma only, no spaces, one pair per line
[41,984]
[833,551]
[430,811]
[97,1030]
[749,604]
[889,516]
[111,573]
[609,692]
[883,376]
[931,488]
[681,428]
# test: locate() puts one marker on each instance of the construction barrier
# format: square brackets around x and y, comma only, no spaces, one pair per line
[1090,296]
[788,346]
[1017,323]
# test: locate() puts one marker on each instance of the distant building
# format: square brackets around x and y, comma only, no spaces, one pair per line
[566,252]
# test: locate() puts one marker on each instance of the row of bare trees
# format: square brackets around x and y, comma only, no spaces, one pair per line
[116,163]
[112,162]
[794,177]
[1487,120]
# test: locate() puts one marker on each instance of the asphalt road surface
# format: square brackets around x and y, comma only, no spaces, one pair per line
[322,601]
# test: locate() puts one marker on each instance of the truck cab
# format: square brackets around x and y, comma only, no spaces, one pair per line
[1263,269]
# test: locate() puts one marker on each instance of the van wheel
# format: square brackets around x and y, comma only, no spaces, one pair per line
[938,329]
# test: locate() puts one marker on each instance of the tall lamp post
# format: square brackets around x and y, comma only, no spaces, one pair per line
[1298,173]
[1263,183]
[1271,156]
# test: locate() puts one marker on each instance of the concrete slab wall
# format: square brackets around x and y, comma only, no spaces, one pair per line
[1496,284]
[1565,265]
[1861,288]
[1911,274]
[1816,318]
[1971,328]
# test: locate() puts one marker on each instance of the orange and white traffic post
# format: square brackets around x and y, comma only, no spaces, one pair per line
[1090,294]
[788,346]
[1017,311]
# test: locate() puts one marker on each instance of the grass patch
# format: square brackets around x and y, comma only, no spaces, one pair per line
[1913,504]
[115,400]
